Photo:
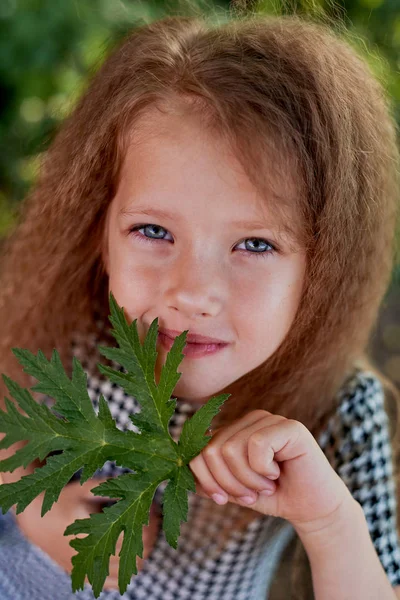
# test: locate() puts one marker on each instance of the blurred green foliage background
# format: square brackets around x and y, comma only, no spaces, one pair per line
[49,48]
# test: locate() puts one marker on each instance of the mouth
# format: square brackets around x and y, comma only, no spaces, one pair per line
[192,338]
[193,349]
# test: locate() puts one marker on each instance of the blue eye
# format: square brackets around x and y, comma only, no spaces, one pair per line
[144,238]
[260,242]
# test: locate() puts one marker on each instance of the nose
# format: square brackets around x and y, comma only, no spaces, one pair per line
[196,287]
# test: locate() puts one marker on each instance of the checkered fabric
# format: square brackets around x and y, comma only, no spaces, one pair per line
[357,444]
[355,441]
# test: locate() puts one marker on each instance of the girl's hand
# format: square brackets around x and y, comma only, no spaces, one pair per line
[278,464]
[77,502]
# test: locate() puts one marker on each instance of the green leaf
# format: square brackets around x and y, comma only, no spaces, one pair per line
[128,515]
[193,439]
[87,440]
[175,502]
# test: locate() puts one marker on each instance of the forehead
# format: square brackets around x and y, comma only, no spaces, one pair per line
[180,144]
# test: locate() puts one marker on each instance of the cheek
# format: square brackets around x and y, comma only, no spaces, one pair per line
[268,306]
[136,284]
[291,295]
[276,293]
[132,282]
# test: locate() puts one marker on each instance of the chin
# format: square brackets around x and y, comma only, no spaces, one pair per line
[193,393]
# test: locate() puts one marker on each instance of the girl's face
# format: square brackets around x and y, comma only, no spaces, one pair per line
[200,267]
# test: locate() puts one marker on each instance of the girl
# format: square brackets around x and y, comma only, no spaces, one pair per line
[238,181]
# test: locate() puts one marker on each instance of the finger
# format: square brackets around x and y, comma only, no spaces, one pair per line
[281,442]
[235,454]
[254,420]
[224,433]
[226,457]
[200,490]
[206,480]
[223,475]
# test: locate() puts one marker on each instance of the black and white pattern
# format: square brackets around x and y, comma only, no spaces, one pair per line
[197,569]
[357,444]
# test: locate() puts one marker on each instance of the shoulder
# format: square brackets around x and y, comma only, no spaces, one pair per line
[356,439]
[360,414]
[357,443]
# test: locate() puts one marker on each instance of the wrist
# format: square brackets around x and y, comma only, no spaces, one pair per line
[332,528]
[343,559]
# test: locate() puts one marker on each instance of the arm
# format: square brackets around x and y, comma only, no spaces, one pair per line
[363,546]
[341,502]
[343,560]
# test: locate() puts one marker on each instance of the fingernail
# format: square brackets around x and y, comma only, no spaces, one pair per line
[269,483]
[268,492]
[247,499]
[219,498]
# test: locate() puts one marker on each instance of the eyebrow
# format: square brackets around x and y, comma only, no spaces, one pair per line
[164,214]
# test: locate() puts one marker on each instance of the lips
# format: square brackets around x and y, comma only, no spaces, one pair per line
[192,351]
[192,338]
